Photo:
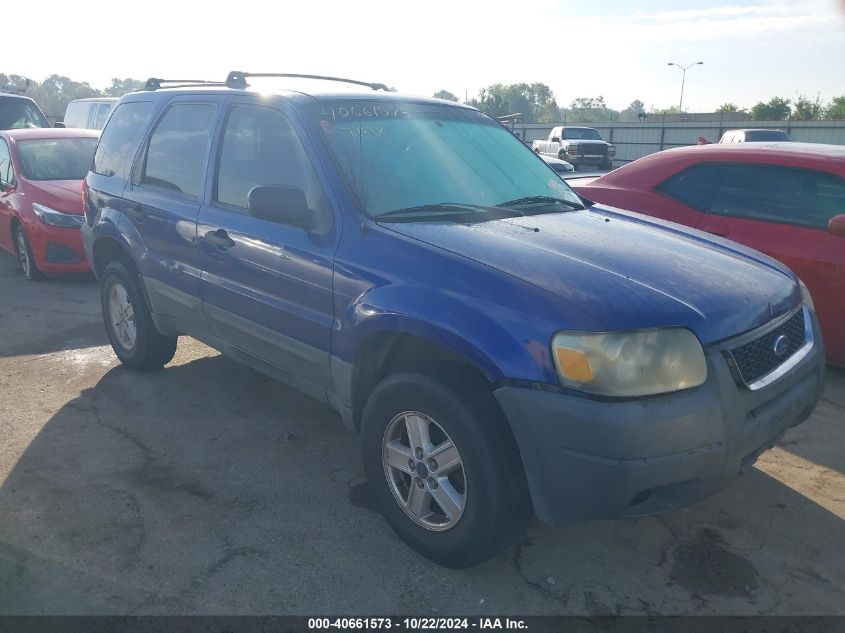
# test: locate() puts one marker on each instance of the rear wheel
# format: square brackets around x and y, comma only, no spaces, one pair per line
[129,325]
[25,256]
[443,469]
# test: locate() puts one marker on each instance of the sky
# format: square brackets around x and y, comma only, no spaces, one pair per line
[751,49]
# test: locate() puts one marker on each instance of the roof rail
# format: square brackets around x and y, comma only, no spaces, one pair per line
[154,83]
[237,79]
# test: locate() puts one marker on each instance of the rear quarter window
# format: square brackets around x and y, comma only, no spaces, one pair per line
[696,186]
[121,137]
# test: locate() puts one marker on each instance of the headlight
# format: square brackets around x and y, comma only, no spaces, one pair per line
[572,149]
[611,150]
[57,218]
[640,363]
[805,296]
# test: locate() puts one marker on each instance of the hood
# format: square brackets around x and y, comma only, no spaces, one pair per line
[61,195]
[585,141]
[627,271]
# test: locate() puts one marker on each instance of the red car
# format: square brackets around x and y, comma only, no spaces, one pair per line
[41,172]
[784,199]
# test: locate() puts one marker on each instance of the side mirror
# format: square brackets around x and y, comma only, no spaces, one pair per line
[280,204]
[58,124]
[555,139]
[836,226]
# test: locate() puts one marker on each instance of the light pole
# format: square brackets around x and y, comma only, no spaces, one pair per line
[683,80]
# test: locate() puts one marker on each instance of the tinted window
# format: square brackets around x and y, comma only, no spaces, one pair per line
[261,148]
[56,159]
[102,115]
[18,113]
[581,134]
[757,136]
[779,194]
[6,174]
[121,136]
[696,187]
[177,149]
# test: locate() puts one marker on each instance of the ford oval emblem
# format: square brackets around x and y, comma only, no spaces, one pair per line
[781,346]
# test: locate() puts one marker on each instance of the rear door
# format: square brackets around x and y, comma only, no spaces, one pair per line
[267,287]
[162,202]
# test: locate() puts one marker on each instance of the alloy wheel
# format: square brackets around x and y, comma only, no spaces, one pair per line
[122,317]
[424,471]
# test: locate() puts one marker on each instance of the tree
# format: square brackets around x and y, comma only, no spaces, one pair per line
[120,87]
[728,107]
[775,109]
[590,110]
[670,110]
[807,109]
[836,109]
[535,102]
[444,94]
[631,113]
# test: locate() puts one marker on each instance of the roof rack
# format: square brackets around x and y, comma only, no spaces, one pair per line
[237,79]
[154,83]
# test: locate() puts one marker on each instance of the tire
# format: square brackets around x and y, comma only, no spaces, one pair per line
[607,166]
[492,507]
[130,328]
[25,256]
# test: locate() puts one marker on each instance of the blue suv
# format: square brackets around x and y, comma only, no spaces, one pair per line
[502,346]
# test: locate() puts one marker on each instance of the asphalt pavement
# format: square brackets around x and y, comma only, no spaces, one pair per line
[208,488]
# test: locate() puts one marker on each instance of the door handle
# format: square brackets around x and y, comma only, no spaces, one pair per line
[716,231]
[220,238]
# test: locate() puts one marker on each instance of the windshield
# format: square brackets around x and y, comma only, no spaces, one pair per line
[56,158]
[581,134]
[18,113]
[402,156]
[755,136]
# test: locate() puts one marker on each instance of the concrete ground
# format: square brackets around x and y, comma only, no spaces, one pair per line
[208,488]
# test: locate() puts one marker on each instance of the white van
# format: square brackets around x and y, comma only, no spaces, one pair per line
[89,113]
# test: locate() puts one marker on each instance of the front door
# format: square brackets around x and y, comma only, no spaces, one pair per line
[267,286]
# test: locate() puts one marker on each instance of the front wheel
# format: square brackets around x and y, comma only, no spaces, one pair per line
[129,325]
[25,256]
[443,469]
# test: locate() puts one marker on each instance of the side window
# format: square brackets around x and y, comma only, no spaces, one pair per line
[696,187]
[780,194]
[92,116]
[121,136]
[261,148]
[7,175]
[177,149]
[102,115]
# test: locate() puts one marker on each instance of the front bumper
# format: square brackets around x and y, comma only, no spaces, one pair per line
[57,249]
[601,459]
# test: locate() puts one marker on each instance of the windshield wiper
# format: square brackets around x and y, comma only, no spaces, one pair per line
[446,210]
[541,200]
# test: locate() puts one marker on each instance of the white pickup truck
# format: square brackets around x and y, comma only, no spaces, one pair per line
[577,145]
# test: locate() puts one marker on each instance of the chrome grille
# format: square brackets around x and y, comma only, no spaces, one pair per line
[756,359]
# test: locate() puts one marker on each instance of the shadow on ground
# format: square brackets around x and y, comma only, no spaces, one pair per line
[208,488]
